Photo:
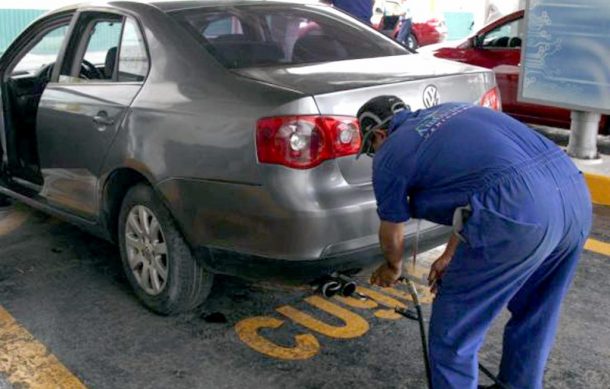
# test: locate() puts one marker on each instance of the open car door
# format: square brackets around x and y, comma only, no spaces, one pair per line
[25,70]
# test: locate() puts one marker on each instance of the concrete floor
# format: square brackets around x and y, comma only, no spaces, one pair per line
[65,288]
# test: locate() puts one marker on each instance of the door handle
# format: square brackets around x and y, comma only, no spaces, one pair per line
[103,119]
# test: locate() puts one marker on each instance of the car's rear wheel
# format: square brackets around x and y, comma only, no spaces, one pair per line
[411,42]
[157,261]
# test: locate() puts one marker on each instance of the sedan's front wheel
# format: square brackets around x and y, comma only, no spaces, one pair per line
[411,42]
[157,261]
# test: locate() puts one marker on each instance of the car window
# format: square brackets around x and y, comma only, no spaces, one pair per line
[509,35]
[101,52]
[225,25]
[43,53]
[270,35]
[133,60]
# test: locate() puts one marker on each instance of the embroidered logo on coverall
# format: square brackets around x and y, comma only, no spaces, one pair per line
[437,118]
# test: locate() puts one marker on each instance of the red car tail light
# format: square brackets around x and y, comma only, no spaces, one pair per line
[491,99]
[303,142]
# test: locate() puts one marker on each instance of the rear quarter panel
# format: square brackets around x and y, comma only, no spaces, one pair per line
[192,117]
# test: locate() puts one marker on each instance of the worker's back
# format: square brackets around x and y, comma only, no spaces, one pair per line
[451,151]
[521,214]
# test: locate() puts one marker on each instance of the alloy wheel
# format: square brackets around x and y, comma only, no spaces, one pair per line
[146,250]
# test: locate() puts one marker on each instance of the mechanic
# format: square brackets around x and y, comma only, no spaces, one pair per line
[360,9]
[521,213]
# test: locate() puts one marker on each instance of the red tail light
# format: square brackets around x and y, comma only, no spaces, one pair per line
[491,99]
[303,142]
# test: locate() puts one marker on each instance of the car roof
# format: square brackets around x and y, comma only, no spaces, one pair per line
[173,5]
[501,20]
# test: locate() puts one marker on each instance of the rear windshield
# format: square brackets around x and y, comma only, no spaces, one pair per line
[269,35]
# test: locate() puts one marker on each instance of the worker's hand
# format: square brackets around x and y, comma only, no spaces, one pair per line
[386,275]
[437,270]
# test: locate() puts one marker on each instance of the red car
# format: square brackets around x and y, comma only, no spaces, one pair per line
[497,46]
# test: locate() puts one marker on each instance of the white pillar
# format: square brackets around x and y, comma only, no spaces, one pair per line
[583,135]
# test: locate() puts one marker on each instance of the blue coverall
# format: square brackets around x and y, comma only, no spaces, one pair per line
[361,9]
[530,214]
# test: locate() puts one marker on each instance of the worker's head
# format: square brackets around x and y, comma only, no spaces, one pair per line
[375,117]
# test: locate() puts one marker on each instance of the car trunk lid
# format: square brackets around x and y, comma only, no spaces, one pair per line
[328,77]
[340,88]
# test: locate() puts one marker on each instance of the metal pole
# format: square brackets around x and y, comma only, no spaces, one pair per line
[583,135]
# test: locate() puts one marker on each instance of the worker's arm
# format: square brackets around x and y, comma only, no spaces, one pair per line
[391,193]
[440,265]
[391,238]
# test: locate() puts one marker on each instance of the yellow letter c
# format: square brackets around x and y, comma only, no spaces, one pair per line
[306,345]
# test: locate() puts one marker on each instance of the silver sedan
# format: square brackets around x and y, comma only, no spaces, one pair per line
[210,136]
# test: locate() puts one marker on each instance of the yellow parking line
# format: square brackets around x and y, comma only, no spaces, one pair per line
[598,247]
[27,363]
[599,186]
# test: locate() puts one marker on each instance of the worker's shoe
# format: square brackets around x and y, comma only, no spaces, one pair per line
[494,386]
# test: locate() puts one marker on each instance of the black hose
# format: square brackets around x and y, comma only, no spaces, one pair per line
[492,377]
[424,344]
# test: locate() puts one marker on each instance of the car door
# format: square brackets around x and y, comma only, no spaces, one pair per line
[25,69]
[79,114]
[500,50]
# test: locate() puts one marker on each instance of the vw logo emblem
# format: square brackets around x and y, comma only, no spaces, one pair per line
[431,96]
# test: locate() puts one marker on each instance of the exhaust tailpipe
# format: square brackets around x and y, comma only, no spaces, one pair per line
[337,284]
[330,288]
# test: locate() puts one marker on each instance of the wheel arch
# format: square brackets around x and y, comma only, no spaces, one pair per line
[115,187]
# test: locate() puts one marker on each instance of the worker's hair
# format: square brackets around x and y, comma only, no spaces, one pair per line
[375,114]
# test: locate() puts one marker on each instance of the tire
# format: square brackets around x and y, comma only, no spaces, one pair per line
[159,264]
[411,42]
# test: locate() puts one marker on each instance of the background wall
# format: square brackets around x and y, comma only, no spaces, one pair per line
[16,15]
[13,21]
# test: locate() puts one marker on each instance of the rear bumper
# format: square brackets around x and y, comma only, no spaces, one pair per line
[293,216]
[252,267]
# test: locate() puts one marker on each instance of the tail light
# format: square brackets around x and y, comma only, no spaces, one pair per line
[491,99]
[303,142]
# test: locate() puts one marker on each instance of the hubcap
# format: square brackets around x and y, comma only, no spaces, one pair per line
[146,250]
